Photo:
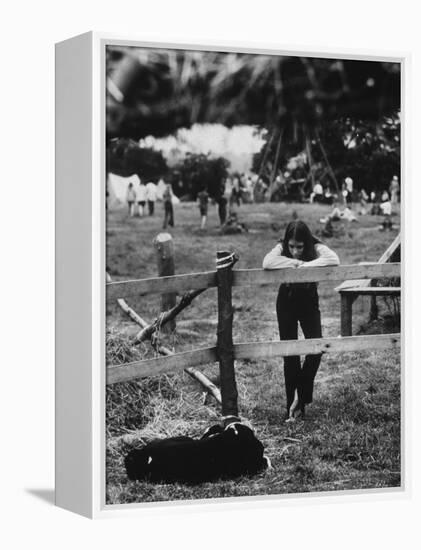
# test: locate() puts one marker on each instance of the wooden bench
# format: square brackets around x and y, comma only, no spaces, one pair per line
[350,290]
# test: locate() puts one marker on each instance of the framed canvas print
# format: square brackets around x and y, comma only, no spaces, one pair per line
[229,241]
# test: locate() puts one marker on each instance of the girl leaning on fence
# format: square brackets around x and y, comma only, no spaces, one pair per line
[298,303]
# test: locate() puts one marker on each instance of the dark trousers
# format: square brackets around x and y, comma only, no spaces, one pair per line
[299,304]
[222,210]
[169,215]
[151,207]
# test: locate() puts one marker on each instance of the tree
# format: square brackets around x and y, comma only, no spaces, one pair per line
[367,151]
[199,171]
[125,157]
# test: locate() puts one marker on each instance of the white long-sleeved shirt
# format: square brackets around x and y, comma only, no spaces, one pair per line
[130,194]
[141,192]
[275,260]
[151,191]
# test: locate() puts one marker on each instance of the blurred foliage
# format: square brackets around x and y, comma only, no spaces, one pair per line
[198,171]
[346,108]
[367,151]
[152,91]
[125,157]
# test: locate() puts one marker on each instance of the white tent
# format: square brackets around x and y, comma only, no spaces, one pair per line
[117,189]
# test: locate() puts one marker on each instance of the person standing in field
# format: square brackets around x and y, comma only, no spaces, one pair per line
[394,190]
[203,201]
[222,209]
[349,185]
[362,195]
[228,189]
[130,198]
[298,304]
[151,197]
[236,192]
[141,198]
[167,196]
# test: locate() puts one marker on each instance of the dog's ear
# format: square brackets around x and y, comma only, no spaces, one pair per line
[233,426]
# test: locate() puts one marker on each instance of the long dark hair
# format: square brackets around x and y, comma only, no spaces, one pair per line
[299,231]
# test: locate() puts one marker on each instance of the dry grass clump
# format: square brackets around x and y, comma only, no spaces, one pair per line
[132,405]
[120,350]
[160,406]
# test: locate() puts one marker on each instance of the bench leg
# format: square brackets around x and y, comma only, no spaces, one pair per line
[346,315]
[374,311]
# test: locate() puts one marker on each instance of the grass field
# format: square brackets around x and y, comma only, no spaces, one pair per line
[350,438]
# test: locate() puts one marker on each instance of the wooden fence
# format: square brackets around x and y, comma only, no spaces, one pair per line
[249,277]
[225,350]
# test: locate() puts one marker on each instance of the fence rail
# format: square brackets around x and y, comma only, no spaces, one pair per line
[225,351]
[249,350]
[247,277]
[161,365]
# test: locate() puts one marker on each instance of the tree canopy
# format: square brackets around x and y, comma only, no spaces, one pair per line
[152,91]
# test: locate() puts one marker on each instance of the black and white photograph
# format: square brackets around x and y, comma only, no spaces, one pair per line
[210,241]
[253,295]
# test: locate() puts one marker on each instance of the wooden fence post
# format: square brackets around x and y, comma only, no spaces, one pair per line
[225,347]
[164,246]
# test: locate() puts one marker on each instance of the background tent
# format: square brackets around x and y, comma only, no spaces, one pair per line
[117,189]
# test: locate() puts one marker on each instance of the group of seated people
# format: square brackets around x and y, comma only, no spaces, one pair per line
[348,215]
[337,214]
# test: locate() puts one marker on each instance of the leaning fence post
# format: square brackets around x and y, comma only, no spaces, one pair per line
[224,263]
[164,246]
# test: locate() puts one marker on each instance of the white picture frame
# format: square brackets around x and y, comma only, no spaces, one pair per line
[80,278]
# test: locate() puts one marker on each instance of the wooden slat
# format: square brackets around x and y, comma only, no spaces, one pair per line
[249,350]
[160,365]
[390,250]
[260,350]
[373,290]
[384,258]
[244,277]
[355,283]
[136,287]
[247,277]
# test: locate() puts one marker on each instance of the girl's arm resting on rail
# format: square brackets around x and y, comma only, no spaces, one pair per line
[275,260]
[326,257]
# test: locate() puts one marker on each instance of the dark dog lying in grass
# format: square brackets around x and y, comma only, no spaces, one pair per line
[219,454]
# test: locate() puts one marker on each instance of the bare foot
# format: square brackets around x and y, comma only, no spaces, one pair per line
[296,410]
